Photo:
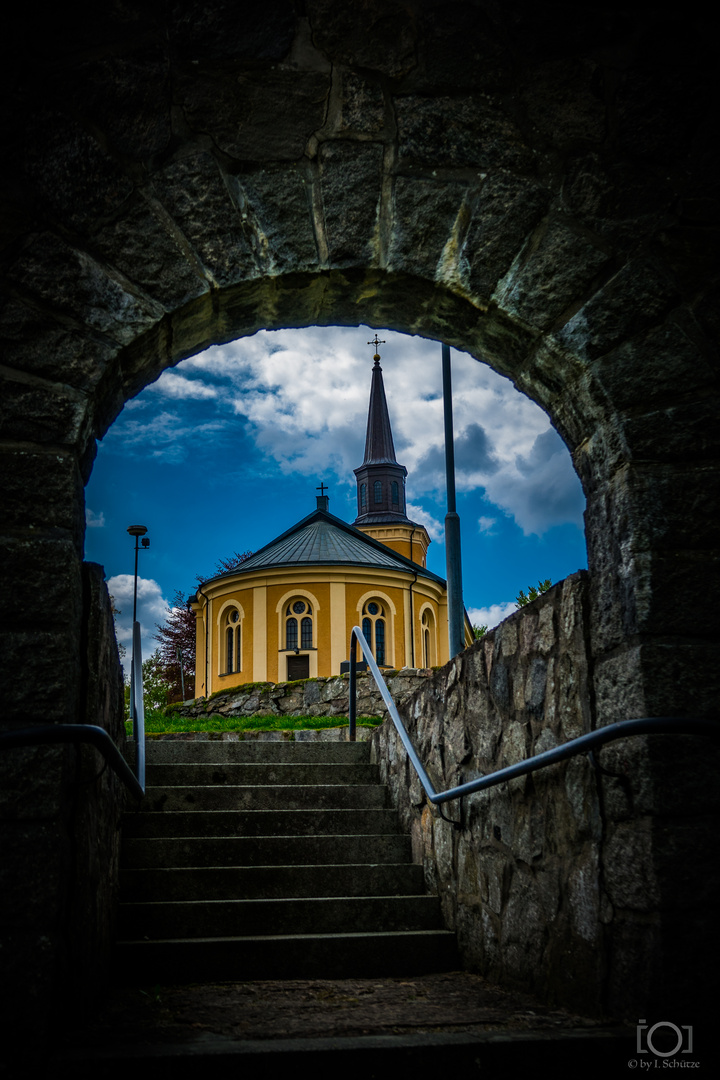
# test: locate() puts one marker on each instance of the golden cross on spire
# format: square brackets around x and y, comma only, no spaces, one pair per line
[376,341]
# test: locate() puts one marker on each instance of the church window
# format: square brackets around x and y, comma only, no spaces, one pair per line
[363,496]
[378,491]
[373,628]
[233,642]
[298,631]
[395,493]
[380,641]
[291,634]
[428,638]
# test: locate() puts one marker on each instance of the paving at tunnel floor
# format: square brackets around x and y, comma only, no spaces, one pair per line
[454,1002]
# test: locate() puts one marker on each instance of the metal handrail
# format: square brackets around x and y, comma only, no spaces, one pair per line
[65,733]
[138,712]
[581,745]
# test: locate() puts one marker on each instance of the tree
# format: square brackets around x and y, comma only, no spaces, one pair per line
[479,631]
[533,592]
[176,651]
[155,686]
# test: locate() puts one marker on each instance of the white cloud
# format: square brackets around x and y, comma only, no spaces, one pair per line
[173,385]
[151,609]
[93,520]
[165,435]
[492,615]
[435,528]
[302,395]
[486,525]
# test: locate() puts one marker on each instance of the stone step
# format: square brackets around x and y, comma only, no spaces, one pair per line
[287,956]
[271,882]
[178,774]
[264,850]
[267,797]
[226,918]
[259,822]
[220,750]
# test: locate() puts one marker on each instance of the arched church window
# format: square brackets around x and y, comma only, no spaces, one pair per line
[291,634]
[428,638]
[395,493]
[233,642]
[373,628]
[295,609]
[377,487]
[363,496]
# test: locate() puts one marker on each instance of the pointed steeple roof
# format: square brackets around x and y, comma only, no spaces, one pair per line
[379,448]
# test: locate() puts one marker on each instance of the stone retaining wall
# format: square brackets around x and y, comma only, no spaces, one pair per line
[564,882]
[307,697]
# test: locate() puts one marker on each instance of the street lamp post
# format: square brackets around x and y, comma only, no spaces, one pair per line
[137,531]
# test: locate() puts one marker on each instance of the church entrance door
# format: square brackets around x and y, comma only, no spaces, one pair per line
[298,667]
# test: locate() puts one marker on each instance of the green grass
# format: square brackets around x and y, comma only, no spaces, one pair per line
[157,724]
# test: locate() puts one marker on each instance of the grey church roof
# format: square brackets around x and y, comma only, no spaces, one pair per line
[323,539]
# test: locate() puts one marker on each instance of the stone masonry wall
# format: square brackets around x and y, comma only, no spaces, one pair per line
[550,880]
[307,697]
[60,814]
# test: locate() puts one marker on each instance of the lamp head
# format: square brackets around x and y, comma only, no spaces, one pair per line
[137,530]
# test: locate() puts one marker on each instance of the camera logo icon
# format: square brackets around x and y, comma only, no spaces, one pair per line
[664,1039]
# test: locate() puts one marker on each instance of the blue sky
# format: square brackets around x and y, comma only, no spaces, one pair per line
[224,452]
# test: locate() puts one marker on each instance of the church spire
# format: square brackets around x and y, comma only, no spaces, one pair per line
[380,478]
[379,449]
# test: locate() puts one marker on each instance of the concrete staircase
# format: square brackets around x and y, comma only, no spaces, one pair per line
[271,860]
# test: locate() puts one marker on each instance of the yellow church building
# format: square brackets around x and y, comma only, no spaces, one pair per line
[287,612]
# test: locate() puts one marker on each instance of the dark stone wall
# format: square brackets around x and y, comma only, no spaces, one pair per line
[59,829]
[532,184]
[583,884]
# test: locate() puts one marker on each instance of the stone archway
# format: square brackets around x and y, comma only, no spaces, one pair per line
[531,189]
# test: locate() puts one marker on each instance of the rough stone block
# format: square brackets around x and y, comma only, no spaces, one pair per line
[351,220]
[33,781]
[260,114]
[55,483]
[629,869]
[459,132]
[78,181]
[425,213]
[33,341]
[361,107]
[559,265]
[635,299]
[76,285]
[617,199]
[277,204]
[37,413]
[129,98]
[41,581]
[52,695]
[675,433]
[379,36]
[196,197]
[152,258]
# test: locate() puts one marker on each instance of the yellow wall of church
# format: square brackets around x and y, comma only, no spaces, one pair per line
[337,597]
